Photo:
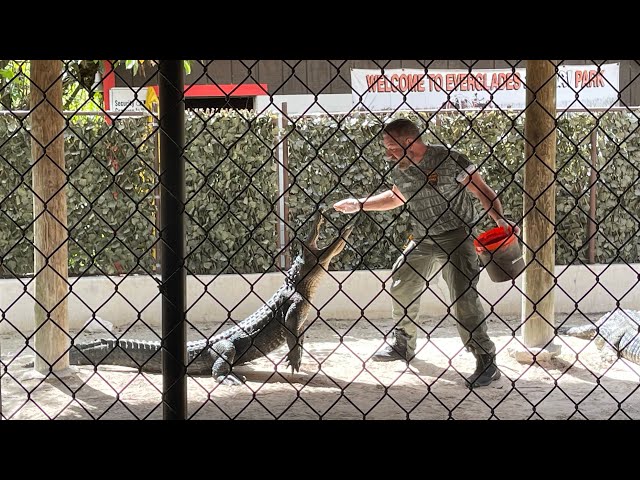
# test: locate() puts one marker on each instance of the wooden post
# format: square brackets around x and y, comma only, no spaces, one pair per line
[539,204]
[51,259]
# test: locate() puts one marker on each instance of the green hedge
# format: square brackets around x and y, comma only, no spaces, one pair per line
[232,187]
[110,197]
[618,197]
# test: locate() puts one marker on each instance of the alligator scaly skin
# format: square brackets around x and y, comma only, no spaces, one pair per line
[281,320]
[618,330]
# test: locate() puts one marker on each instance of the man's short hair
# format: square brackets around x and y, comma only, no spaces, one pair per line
[402,127]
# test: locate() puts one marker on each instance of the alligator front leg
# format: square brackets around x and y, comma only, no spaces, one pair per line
[223,354]
[294,322]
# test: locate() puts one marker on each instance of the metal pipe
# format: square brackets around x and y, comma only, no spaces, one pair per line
[591,221]
[124,113]
[285,182]
[172,234]
[559,112]
[278,124]
[72,113]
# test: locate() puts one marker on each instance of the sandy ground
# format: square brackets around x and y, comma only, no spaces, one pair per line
[337,381]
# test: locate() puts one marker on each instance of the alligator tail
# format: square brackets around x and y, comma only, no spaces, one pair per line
[137,354]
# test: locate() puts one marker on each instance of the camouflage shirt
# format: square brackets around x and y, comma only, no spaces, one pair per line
[436,199]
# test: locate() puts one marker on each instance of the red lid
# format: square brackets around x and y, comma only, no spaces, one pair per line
[492,239]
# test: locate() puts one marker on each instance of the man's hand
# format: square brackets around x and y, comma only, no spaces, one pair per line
[348,205]
[505,224]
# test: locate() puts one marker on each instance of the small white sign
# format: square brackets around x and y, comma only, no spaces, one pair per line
[128,99]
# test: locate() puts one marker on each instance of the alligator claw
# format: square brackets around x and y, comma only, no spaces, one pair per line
[231,379]
[294,360]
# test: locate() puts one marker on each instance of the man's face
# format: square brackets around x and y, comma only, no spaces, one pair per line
[397,147]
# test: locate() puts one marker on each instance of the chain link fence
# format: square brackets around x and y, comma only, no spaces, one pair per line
[167,252]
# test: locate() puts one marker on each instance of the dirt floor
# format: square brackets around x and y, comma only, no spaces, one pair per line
[337,382]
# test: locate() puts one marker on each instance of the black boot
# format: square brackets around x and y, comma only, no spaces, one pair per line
[486,371]
[479,368]
[396,349]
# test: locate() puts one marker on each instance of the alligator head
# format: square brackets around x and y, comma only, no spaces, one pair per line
[314,260]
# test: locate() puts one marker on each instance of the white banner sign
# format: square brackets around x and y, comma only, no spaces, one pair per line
[406,89]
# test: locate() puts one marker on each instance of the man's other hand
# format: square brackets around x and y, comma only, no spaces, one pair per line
[505,224]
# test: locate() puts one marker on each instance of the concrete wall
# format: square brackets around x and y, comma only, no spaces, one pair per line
[122,300]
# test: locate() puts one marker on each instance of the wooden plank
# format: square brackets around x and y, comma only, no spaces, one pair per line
[364,64]
[124,77]
[436,64]
[510,63]
[633,82]
[459,64]
[295,77]
[243,71]
[319,75]
[271,74]
[340,76]
[413,64]
[379,64]
[198,73]
[483,64]
[218,72]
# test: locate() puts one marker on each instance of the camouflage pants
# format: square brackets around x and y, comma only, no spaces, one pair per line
[418,265]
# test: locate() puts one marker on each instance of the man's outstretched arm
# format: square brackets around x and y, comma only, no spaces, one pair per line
[383,201]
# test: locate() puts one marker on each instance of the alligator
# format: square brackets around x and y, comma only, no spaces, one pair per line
[280,320]
[616,334]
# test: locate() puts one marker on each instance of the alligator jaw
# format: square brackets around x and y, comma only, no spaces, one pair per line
[314,255]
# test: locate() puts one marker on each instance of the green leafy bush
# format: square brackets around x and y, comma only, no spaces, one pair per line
[232,187]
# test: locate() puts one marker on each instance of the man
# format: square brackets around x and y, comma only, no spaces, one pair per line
[438,186]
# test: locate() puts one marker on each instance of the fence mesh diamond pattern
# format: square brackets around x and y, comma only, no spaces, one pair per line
[336,218]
